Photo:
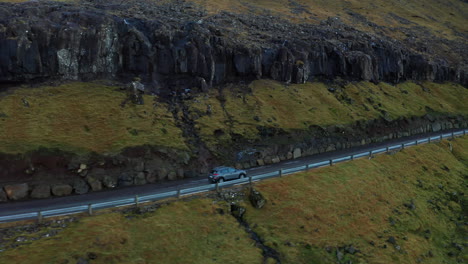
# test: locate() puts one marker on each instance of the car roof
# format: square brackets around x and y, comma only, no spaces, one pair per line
[222,167]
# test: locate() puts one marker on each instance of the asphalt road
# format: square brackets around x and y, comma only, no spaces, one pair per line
[18,207]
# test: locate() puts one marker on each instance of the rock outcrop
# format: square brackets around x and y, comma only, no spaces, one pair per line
[175,46]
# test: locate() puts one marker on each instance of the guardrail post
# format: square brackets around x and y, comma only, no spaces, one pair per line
[136,200]
[39,217]
[453,135]
[386,149]
[464,132]
[441,137]
[416,142]
[352,157]
[90,209]
[250,181]
[429,140]
[281,172]
[331,162]
[307,167]
[403,146]
[178,192]
[217,185]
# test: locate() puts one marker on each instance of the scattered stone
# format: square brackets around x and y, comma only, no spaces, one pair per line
[92,255]
[238,211]
[275,159]
[410,205]
[40,191]
[82,167]
[256,199]
[391,240]
[82,261]
[351,250]
[339,254]
[16,191]
[61,189]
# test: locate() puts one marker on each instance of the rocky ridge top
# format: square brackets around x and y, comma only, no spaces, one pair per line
[176,45]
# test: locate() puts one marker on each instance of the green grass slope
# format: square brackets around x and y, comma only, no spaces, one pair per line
[266,103]
[415,196]
[89,117]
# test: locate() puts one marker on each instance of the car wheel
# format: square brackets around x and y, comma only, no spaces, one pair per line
[221,180]
[241,176]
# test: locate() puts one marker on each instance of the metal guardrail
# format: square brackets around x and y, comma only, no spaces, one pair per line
[89,208]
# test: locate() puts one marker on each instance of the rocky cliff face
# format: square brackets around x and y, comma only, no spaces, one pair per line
[176,46]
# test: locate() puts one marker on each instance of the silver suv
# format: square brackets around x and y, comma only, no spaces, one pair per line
[221,174]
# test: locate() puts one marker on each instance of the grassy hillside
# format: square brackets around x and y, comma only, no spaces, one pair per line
[441,18]
[84,117]
[296,107]
[401,208]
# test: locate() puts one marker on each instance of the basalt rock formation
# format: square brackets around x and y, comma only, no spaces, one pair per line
[176,46]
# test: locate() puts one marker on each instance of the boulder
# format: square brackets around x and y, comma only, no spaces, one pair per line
[152,176]
[172,176]
[275,159]
[190,174]
[180,173]
[125,179]
[3,196]
[238,211]
[109,181]
[256,199]
[94,183]
[296,153]
[139,166]
[260,162]
[80,186]
[17,191]
[140,179]
[61,189]
[436,127]
[162,173]
[40,191]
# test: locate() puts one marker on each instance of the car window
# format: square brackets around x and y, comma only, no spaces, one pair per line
[214,171]
[223,171]
[232,170]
